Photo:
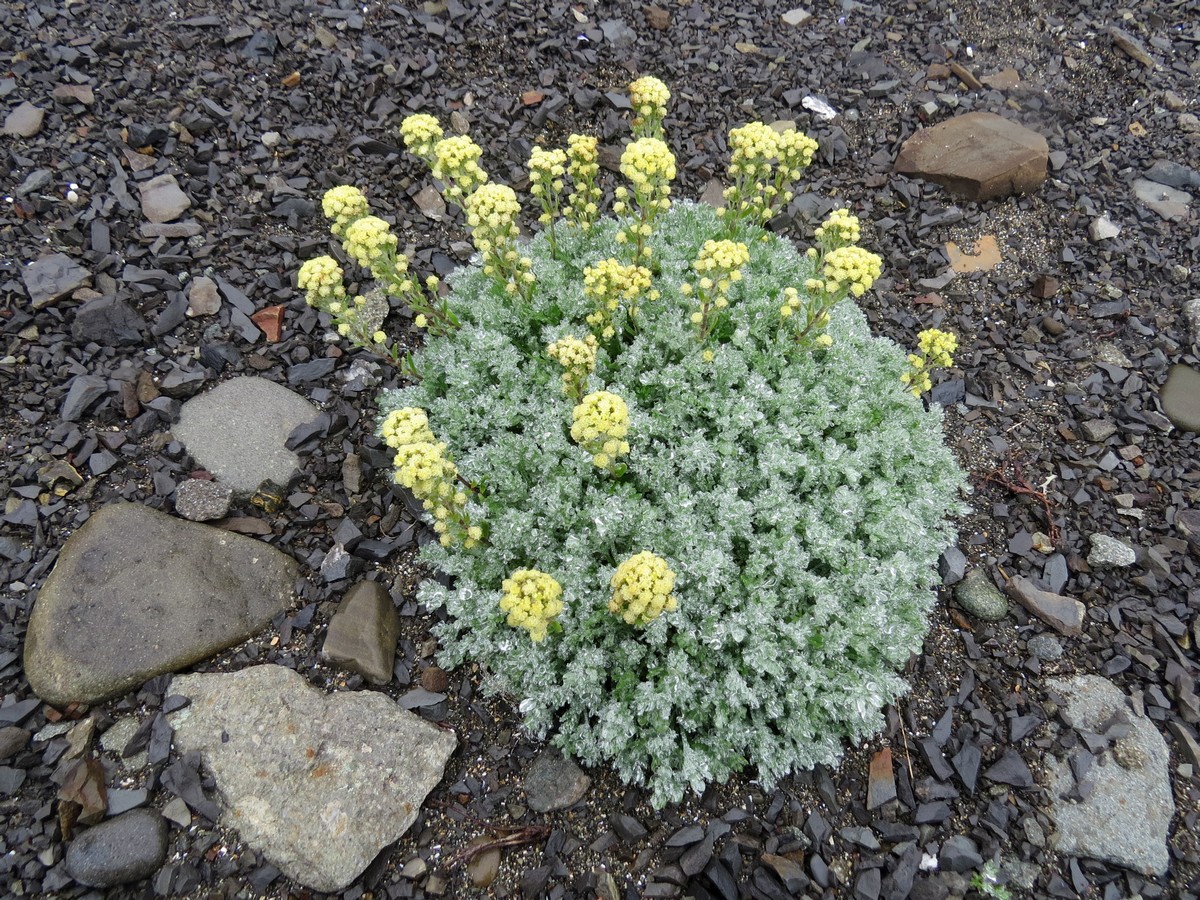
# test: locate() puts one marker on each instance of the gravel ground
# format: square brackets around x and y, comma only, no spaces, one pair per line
[259,106]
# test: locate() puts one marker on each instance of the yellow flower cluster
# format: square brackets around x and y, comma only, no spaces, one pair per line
[422,467]
[847,269]
[600,425]
[937,351]
[718,266]
[649,165]
[578,359]
[531,599]
[546,171]
[613,286]
[421,133]
[649,98]
[456,165]
[642,588]
[762,166]
[492,212]
[584,165]
[839,229]
[321,279]
[343,204]
[370,242]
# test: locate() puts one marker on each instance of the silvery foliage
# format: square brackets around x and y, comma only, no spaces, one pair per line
[800,496]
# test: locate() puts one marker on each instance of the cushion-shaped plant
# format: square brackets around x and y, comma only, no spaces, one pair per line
[690,510]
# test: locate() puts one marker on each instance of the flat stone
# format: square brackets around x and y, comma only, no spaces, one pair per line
[1187,523]
[1170,203]
[172,230]
[1191,318]
[53,277]
[137,593]
[1063,614]
[1173,174]
[986,256]
[1180,397]
[1096,430]
[978,156]
[960,854]
[1125,818]
[201,500]
[1045,646]
[1109,553]
[203,297]
[13,739]
[108,321]
[795,17]
[163,199]
[239,429]
[127,848]
[84,391]
[554,782]
[319,784]
[1102,228]
[74,93]
[881,783]
[363,633]
[24,121]
[978,596]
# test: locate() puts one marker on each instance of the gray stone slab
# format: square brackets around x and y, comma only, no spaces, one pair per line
[239,429]
[1124,819]
[163,199]
[53,277]
[136,593]
[1180,397]
[363,632]
[319,784]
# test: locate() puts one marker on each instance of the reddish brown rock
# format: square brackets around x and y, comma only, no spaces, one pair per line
[881,787]
[1064,614]
[978,156]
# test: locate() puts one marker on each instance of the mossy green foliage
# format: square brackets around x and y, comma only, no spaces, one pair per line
[799,495]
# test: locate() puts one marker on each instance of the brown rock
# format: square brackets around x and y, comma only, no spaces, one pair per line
[881,786]
[532,98]
[978,156]
[203,297]
[1046,286]
[986,256]
[270,320]
[435,679]
[658,18]
[163,199]
[966,76]
[84,787]
[484,866]
[80,93]
[1004,80]
[1064,614]
[363,633]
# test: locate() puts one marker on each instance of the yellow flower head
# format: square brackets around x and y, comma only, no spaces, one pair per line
[751,150]
[649,98]
[648,162]
[851,268]
[421,132]
[938,346]
[343,204]
[583,166]
[456,165]
[370,242]
[409,425]
[532,599]
[578,359]
[491,212]
[642,588]
[321,279]
[600,424]
[839,229]
[612,285]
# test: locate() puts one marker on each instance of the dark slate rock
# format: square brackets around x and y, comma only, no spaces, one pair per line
[108,321]
[1010,769]
[128,848]
[53,277]
[137,593]
[628,829]
[959,854]
[1173,175]
[13,740]
[84,391]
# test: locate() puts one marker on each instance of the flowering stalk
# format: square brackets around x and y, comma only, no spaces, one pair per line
[650,167]
[642,588]
[599,425]
[546,170]
[421,133]
[532,600]
[763,166]
[422,467]
[717,267]
[649,98]
[614,289]
[456,165]
[578,359]
[492,212]
[936,352]
[583,167]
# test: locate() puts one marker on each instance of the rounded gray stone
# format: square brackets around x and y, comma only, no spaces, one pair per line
[24,121]
[1180,397]
[978,596]
[1045,647]
[201,500]
[127,848]
[239,429]
[137,593]
[363,632]
[163,199]
[554,782]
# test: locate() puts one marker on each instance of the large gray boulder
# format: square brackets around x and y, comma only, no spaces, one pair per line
[137,593]
[319,784]
[1125,818]
[239,431]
